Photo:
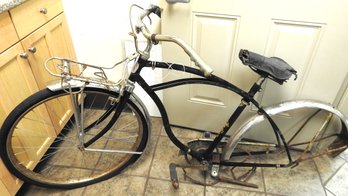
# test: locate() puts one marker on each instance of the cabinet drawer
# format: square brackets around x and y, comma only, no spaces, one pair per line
[8,34]
[34,13]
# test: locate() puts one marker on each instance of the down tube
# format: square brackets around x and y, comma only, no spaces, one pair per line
[163,112]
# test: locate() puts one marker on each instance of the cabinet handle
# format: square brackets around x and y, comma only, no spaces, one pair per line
[43,10]
[24,55]
[32,49]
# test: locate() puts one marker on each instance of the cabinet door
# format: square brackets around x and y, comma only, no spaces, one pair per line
[3,189]
[7,32]
[16,84]
[32,14]
[53,39]
[8,183]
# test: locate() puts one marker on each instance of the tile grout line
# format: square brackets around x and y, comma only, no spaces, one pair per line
[183,182]
[94,168]
[331,176]
[219,187]
[329,191]
[153,156]
[84,190]
[263,180]
[320,178]
[238,189]
[205,187]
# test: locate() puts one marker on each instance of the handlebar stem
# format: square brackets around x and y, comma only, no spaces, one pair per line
[156,38]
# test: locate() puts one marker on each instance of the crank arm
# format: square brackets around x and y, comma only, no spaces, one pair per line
[173,175]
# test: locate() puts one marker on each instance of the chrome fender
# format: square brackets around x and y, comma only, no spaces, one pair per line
[57,85]
[275,109]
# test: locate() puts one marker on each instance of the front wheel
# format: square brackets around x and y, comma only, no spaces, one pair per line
[41,142]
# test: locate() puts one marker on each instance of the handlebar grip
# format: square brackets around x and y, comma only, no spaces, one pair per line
[155,9]
[206,69]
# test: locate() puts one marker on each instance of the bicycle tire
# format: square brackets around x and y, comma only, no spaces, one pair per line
[63,164]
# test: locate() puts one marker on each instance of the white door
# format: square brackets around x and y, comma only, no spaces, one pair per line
[311,35]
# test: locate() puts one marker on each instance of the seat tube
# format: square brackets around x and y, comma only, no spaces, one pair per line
[244,102]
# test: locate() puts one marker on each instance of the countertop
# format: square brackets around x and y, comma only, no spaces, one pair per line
[8,4]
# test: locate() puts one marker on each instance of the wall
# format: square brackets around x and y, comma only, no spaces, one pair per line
[99,30]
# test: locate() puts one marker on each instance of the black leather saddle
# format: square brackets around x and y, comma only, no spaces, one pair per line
[270,67]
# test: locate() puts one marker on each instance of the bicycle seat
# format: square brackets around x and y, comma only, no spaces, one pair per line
[270,67]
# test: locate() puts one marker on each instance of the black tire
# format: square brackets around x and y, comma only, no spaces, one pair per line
[33,151]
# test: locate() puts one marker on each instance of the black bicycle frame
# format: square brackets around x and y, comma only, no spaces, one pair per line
[246,99]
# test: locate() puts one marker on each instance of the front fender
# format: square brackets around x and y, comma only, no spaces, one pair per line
[276,109]
[56,85]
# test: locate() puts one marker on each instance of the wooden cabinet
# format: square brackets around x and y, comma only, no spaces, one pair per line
[7,32]
[42,32]
[52,39]
[32,14]
[16,80]
[16,83]
[8,183]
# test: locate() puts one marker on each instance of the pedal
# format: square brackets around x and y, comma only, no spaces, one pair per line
[173,175]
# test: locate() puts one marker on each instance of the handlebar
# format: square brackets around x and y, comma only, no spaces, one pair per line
[155,38]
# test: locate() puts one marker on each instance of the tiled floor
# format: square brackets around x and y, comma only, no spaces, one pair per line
[150,176]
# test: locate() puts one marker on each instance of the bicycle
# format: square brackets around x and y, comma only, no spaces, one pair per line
[81,130]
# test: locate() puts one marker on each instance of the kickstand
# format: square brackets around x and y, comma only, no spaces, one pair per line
[174,177]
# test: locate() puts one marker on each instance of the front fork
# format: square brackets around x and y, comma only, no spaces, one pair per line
[77,100]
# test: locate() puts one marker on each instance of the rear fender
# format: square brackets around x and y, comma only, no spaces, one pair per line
[276,109]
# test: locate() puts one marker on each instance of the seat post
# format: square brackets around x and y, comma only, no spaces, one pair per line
[256,87]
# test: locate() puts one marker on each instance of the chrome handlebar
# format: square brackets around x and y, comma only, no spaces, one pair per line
[154,38]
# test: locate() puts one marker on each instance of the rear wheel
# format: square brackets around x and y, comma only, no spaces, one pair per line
[308,132]
[40,142]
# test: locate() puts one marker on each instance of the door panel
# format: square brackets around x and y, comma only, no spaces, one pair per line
[342,98]
[297,42]
[303,33]
[205,25]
